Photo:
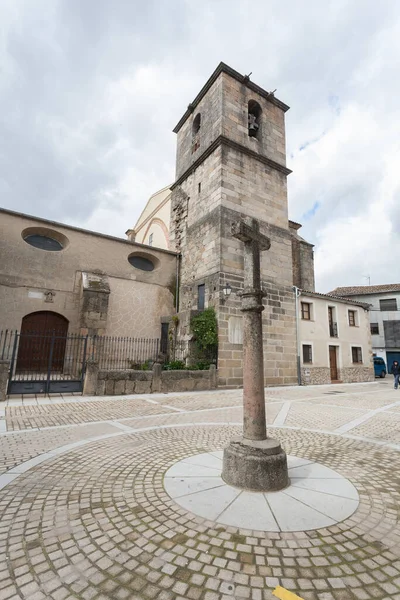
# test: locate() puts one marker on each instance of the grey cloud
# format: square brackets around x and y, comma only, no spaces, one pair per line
[64,154]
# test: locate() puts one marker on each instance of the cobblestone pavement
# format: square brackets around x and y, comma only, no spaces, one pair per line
[85,516]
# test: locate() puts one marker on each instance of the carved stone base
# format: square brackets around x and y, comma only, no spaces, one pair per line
[260,466]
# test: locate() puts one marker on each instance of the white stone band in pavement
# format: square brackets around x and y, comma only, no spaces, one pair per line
[317,497]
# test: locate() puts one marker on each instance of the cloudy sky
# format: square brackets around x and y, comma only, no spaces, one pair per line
[91,89]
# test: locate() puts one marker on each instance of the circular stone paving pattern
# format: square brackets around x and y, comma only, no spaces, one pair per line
[317,496]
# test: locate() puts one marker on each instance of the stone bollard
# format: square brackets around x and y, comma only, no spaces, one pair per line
[213,377]
[156,383]
[4,369]
[91,376]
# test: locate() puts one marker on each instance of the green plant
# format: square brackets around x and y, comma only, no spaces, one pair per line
[200,365]
[205,329]
[137,366]
[174,365]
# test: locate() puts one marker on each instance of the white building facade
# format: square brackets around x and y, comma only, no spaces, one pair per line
[384,314]
[334,340]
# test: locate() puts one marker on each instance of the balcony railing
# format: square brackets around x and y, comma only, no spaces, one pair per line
[333,330]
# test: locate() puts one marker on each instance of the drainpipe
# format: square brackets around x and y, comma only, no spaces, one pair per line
[178,264]
[297,292]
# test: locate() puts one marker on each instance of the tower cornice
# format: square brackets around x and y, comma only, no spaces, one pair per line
[224,141]
[224,68]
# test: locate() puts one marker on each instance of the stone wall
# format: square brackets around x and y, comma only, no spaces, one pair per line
[356,374]
[315,375]
[322,375]
[119,383]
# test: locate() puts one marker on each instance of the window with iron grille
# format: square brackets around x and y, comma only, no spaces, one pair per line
[374,328]
[352,318]
[356,354]
[388,304]
[307,353]
[306,311]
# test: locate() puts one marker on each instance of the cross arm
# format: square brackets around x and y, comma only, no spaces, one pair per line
[250,233]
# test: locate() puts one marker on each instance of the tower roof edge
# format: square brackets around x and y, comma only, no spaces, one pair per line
[224,68]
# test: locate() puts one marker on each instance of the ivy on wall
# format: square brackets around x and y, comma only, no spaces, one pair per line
[205,329]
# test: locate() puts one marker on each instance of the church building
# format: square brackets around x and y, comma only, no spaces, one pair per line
[181,258]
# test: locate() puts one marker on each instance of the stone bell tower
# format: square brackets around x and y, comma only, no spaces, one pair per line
[231,164]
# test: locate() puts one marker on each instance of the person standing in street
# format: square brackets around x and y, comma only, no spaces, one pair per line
[395,370]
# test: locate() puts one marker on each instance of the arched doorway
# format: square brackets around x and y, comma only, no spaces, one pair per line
[43,335]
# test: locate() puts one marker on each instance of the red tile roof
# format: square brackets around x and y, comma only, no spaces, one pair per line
[362,290]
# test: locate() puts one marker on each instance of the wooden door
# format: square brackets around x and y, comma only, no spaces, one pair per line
[40,331]
[333,363]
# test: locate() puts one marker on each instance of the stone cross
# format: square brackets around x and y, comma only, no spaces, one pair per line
[253,462]
[254,421]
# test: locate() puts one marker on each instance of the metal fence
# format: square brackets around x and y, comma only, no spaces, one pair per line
[30,351]
[118,353]
[186,352]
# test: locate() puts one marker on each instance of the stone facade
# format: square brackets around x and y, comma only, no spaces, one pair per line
[89,282]
[303,260]
[223,175]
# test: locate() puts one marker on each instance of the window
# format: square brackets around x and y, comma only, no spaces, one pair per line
[196,124]
[140,262]
[307,353]
[199,188]
[352,318]
[253,118]
[356,354]
[201,292]
[151,239]
[388,304]
[374,328]
[333,328]
[43,242]
[306,311]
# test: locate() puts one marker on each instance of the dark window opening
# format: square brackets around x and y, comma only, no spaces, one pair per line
[306,311]
[374,328]
[199,188]
[196,124]
[201,294]
[307,353]
[352,318]
[253,118]
[164,338]
[151,239]
[388,304]
[356,354]
[142,263]
[43,242]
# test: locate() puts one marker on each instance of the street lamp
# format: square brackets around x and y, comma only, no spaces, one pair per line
[226,292]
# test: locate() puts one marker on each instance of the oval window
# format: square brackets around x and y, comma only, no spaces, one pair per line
[43,242]
[142,263]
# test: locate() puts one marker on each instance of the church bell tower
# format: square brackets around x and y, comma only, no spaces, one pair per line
[230,164]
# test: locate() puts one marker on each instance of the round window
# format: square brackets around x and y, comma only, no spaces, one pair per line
[142,263]
[43,242]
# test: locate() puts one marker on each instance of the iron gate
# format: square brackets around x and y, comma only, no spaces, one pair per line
[45,363]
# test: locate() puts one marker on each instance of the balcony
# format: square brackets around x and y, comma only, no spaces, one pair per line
[333,330]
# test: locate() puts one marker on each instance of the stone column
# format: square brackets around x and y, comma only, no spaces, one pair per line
[4,369]
[156,382]
[213,377]
[254,461]
[91,377]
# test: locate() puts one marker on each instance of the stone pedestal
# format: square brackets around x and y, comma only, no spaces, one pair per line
[4,368]
[258,465]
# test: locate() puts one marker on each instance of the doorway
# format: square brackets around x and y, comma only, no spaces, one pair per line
[42,342]
[333,362]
